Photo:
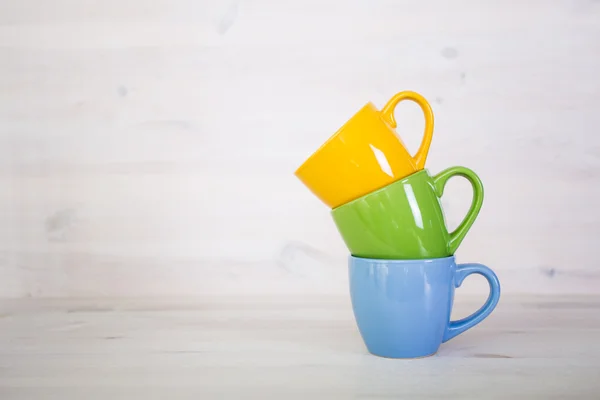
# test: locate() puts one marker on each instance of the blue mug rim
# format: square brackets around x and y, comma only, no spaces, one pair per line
[402,261]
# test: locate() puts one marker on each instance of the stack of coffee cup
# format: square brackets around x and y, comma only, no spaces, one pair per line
[387,208]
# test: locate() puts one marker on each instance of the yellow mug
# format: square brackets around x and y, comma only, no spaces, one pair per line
[365,154]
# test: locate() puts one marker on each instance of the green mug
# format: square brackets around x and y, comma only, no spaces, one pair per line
[405,220]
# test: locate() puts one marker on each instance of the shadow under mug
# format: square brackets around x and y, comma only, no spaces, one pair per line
[402,307]
[405,219]
[365,154]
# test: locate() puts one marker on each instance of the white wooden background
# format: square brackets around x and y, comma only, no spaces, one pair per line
[148,147]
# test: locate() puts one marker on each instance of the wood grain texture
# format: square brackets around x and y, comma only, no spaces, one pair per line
[286,347]
[148,148]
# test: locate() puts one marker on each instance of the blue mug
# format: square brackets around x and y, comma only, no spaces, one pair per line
[402,307]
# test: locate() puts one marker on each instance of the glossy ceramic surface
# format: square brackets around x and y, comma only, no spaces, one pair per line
[405,220]
[402,307]
[365,154]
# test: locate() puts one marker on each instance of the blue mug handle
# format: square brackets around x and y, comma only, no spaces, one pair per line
[462,271]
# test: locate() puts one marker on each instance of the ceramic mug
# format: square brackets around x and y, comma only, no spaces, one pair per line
[365,154]
[402,307]
[405,219]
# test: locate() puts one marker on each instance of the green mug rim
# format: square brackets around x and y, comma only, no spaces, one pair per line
[381,189]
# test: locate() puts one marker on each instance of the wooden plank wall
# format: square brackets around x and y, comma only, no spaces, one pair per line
[148,147]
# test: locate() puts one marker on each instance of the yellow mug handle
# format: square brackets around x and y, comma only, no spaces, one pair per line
[388,115]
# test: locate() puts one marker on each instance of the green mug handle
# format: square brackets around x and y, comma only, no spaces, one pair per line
[440,181]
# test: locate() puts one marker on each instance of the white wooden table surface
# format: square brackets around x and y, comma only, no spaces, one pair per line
[530,348]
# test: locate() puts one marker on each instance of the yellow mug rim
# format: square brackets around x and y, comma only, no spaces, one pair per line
[332,137]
